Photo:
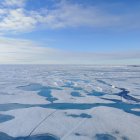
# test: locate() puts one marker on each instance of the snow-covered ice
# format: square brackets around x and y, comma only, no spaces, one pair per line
[52,102]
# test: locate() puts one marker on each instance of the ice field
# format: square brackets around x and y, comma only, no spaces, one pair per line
[65,102]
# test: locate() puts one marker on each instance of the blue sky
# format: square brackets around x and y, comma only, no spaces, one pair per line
[70,32]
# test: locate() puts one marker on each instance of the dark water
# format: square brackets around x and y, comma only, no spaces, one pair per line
[13,106]
[31,87]
[96,93]
[76,94]
[108,137]
[104,137]
[83,115]
[124,93]
[4,118]
[4,136]
[46,92]
[42,90]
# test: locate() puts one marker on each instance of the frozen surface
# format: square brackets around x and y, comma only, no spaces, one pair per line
[52,102]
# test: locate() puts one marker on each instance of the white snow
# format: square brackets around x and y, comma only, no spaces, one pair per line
[34,113]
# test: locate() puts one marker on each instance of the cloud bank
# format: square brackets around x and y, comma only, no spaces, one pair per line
[19,51]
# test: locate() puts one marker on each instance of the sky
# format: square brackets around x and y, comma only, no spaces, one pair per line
[101,32]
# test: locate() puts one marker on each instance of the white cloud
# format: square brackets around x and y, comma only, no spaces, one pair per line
[17,20]
[18,3]
[65,14]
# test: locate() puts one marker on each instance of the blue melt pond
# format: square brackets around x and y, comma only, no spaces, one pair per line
[31,87]
[4,136]
[96,93]
[43,91]
[76,94]
[4,118]
[104,137]
[83,115]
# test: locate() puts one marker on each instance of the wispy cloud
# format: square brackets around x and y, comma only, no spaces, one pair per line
[19,51]
[14,17]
